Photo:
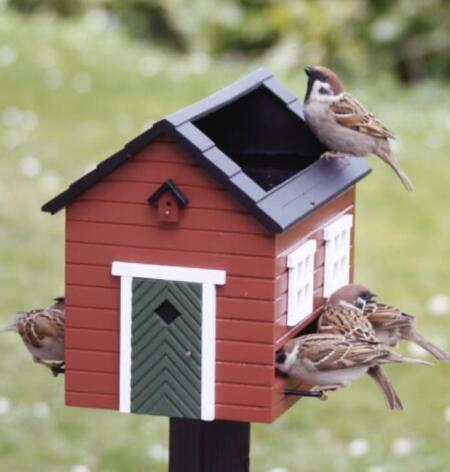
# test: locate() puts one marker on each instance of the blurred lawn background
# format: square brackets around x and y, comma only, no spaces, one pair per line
[75,85]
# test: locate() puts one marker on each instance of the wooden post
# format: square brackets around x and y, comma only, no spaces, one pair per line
[209,446]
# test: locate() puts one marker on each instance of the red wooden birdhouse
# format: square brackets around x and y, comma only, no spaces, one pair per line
[197,250]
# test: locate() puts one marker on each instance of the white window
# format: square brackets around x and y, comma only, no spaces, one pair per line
[301,282]
[337,254]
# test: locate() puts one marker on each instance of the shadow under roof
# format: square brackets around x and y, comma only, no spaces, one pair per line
[252,138]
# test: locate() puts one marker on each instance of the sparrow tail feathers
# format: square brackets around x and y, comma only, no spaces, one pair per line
[435,351]
[11,327]
[394,357]
[393,401]
[406,181]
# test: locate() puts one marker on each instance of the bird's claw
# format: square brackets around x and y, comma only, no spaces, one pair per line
[58,369]
[329,155]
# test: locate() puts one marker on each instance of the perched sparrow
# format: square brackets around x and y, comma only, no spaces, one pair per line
[331,361]
[391,325]
[342,124]
[42,332]
[344,318]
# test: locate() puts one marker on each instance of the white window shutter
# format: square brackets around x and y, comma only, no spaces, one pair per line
[300,264]
[337,238]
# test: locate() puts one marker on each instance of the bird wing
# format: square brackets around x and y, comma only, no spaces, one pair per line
[350,113]
[37,325]
[347,320]
[335,352]
[384,316]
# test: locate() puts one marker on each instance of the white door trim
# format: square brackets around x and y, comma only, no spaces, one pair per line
[209,279]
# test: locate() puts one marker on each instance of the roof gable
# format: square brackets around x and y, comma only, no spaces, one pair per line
[252,138]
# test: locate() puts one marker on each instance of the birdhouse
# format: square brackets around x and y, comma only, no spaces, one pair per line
[195,252]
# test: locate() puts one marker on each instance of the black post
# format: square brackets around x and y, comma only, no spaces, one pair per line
[209,446]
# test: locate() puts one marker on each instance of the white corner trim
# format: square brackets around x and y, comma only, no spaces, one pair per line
[173,273]
[300,253]
[208,386]
[125,344]
[338,226]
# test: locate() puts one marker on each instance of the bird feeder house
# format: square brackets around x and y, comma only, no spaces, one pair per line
[196,251]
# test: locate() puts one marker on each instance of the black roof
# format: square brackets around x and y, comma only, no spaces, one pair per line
[251,137]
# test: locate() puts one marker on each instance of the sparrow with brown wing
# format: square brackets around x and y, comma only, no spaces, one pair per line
[341,316]
[332,361]
[343,125]
[42,332]
[391,324]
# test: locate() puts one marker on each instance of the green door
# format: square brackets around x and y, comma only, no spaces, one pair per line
[166,348]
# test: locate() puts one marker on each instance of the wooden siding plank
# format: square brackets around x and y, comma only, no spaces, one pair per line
[90,400]
[146,215]
[92,340]
[240,352]
[253,331]
[235,265]
[92,382]
[240,373]
[237,413]
[123,192]
[92,361]
[100,276]
[243,395]
[109,298]
[92,318]
[160,238]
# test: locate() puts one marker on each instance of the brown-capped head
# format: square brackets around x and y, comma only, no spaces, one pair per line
[325,75]
[355,294]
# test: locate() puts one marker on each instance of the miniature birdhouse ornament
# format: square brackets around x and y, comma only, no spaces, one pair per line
[197,251]
[169,200]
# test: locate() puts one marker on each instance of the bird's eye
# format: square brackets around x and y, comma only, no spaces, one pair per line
[360,303]
[324,91]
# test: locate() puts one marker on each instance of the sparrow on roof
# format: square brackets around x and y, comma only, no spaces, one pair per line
[342,123]
[42,332]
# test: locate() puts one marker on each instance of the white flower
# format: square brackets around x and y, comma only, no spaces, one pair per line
[150,65]
[11,116]
[358,447]
[447,414]
[53,78]
[158,453]
[29,120]
[402,447]
[82,82]
[80,468]
[30,166]
[8,55]
[377,468]
[50,181]
[439,304]
[41,410]
[278,469]
[5,405]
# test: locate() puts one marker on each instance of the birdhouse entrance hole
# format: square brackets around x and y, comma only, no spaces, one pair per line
[263,136]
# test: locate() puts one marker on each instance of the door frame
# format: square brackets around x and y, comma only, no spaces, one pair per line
[208,278]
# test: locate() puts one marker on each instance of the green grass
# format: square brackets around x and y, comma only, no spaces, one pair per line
[403,252]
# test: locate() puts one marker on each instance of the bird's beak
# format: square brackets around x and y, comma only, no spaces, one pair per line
[372,296]
[309,70]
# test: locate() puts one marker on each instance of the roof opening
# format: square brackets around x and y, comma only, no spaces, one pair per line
[258,132]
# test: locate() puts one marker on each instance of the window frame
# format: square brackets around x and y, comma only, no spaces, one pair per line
[337,237]
[300,263]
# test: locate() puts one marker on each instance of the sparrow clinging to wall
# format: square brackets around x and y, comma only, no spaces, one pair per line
[391,325]
[343,125]
[42,332]
[332,361]
[341,316]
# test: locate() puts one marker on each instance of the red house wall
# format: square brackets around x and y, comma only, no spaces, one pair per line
[113,221]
